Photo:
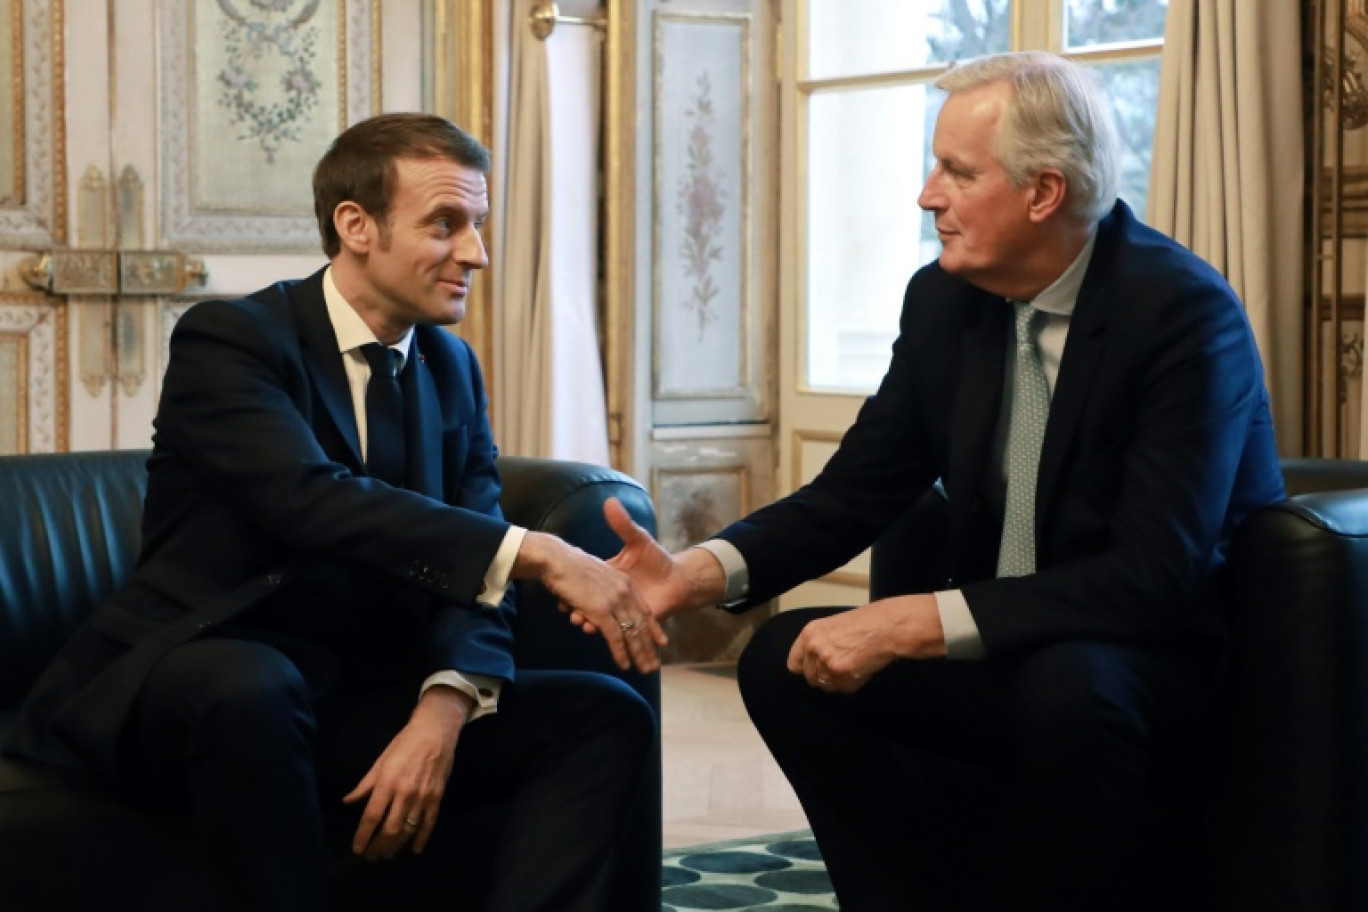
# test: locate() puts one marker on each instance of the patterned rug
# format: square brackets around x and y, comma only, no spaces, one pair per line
[778,873]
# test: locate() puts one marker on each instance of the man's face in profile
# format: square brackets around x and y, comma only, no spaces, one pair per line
[982,220]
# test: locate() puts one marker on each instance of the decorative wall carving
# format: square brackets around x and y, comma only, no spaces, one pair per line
[1337,201]
[700,482]
[701,229]
[32,169]
[251,95]
[33,391]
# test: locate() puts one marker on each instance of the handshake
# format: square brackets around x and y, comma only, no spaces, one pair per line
[628,596]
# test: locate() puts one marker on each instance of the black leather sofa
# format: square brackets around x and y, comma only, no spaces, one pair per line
[69,531]
[1286,817]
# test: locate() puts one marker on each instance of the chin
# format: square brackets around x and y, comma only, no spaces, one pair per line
[950,264]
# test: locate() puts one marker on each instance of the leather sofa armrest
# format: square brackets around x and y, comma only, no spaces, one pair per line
[566,499]
[1290,833]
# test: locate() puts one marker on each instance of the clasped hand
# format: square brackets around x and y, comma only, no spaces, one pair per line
[599,597]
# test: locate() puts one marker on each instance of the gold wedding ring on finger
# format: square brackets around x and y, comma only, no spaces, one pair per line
[410,823]
[628,627]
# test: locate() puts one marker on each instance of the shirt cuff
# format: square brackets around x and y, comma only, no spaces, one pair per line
[483,689]
[962,640]
[496,577]
[733,566]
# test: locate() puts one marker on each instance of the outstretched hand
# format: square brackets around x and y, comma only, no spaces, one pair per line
[661,580]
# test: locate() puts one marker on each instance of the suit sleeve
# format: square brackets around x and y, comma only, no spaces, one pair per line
[462,637]
[886,460]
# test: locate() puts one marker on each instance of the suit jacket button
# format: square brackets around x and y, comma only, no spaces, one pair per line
[274,579]
[204,625]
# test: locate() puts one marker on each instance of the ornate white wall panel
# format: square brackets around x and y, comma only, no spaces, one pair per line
[32,194]
[251,96]
[33,395]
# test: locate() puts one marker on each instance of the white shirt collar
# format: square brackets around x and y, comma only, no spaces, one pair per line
[352,331]
[1062,294]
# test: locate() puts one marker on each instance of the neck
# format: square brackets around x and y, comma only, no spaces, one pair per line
[1039,267]
[366,301]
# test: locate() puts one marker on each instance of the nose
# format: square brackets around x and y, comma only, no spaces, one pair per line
[469,251]
[931,197]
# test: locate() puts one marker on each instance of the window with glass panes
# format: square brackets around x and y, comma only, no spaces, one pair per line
[866,69]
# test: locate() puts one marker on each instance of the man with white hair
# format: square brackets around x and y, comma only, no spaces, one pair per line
[1089,395]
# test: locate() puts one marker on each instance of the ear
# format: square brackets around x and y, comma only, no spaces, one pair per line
[354,227]
[1048,191]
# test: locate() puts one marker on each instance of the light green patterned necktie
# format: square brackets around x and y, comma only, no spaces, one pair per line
[1025,434]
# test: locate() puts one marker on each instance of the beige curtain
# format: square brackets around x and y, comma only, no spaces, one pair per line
[1226,176]
[548,392]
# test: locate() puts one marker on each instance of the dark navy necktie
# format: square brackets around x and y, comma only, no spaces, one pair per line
[385,458]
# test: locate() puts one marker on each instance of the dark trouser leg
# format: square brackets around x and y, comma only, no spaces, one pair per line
[939,779]
[893,834]
[1104,737]
[225,726]
[540,792]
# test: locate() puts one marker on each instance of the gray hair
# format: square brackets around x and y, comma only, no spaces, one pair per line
[1056,118]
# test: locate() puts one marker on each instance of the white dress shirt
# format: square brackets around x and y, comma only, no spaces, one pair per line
[962,640]
[352,333]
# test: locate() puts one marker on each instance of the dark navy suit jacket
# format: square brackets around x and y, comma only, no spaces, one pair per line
[256,482]
[1159,442]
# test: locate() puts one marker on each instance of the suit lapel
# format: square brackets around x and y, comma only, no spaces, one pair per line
[978,397]
[1078,367]
[324,362]
[423,425]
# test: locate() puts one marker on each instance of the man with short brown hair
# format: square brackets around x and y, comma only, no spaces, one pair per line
[315,647]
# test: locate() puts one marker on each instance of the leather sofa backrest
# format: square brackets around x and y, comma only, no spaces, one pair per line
[69,534]
[71,528]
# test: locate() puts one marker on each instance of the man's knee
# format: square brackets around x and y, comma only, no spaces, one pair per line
[596,706]
[764,661]
[241,687]
[631,716]
[767,687]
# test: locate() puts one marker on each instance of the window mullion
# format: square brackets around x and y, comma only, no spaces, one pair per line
[1037,25]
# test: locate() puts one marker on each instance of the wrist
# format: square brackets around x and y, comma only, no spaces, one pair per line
[705,578]
[534,555]
[445,705]
[916,627]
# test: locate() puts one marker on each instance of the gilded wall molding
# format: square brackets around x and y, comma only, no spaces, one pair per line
[463,91]
[619,220]
[38,328]
[38,218]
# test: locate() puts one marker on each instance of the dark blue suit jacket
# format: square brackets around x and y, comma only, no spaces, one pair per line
[256,480]
[1159,442]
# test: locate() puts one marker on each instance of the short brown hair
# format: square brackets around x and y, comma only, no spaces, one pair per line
[359,166]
